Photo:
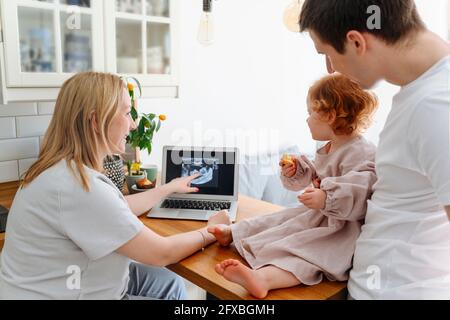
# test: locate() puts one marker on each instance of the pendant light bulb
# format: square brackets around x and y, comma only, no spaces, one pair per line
[292,15]
[206,28]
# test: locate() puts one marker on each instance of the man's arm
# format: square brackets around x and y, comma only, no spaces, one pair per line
[447,208]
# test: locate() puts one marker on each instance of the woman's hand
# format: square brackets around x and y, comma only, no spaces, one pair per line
[183,185]
[288,168]
[313,198]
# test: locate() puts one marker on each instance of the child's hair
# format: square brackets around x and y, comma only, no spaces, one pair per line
[338,97]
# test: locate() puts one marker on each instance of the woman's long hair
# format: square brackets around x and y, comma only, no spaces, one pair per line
[71,135]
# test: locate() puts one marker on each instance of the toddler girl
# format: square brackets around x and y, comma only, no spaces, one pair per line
[302,244]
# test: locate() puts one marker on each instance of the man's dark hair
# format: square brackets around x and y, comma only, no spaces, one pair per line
[331,20]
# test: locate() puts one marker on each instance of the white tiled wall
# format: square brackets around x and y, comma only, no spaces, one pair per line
[32,126]
[7,128]
[9,171]
[22,126]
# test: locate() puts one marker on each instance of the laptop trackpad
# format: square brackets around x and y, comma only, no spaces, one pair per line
[192,215]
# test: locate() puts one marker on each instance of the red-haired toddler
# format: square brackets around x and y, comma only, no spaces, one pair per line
[302,244]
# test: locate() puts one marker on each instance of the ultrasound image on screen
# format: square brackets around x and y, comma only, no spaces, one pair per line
[207,167]
[216,168]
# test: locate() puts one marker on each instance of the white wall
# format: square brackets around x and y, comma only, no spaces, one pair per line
[22,126]
[249,88]
[254,79]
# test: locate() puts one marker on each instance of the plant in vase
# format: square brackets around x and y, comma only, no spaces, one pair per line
[142,137]
[137,178]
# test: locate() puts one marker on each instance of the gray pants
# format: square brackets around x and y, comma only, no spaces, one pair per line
[154,283]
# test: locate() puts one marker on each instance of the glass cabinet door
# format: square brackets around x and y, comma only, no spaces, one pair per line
[129,46]
[143,40]
[55,39]
[37,40]
[76,43]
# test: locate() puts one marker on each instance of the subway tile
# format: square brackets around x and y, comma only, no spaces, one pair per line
[7,128]
[9,171]
[32,126]
[46,108]
[25,164]
[16,149]
[18,109]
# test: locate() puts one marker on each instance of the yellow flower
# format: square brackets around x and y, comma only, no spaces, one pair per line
[162,117]
[136,167]
[130,87]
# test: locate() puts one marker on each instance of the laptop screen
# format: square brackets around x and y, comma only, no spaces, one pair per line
[217,169]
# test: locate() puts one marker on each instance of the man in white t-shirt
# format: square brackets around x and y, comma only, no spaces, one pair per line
[404,249]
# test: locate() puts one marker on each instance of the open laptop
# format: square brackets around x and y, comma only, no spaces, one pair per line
[218,182]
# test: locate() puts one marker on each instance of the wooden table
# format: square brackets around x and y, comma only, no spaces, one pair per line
[199,268]
[7,193]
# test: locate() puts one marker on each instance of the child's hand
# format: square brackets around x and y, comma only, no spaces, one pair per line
[313,198]
[316,182]
[288,166]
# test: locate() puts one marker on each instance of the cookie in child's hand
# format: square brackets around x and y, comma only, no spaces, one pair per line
[287,160]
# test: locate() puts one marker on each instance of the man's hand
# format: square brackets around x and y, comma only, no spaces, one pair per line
[447,208]
[313,198]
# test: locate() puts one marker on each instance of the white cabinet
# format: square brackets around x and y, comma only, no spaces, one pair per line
[46,41]
[141,38]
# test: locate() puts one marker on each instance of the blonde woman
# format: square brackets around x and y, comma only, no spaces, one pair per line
[71,234]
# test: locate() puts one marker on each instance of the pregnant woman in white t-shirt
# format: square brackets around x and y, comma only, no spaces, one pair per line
[71,234]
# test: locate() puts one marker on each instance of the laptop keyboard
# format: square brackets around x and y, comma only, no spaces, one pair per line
[196,205]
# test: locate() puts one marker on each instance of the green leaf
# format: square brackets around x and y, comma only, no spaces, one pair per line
[147,121]
[134,113]
[141,128]
[158,126]
[149,148]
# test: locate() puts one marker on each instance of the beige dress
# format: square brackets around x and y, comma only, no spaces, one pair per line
[306,242]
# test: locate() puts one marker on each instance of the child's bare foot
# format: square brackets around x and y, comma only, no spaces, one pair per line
[221,217]
[235,271]
[222,233]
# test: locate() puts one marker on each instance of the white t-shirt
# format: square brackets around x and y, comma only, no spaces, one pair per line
[61,240]
[403,251]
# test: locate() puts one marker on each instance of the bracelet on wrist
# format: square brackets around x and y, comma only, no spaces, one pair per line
[203,240]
